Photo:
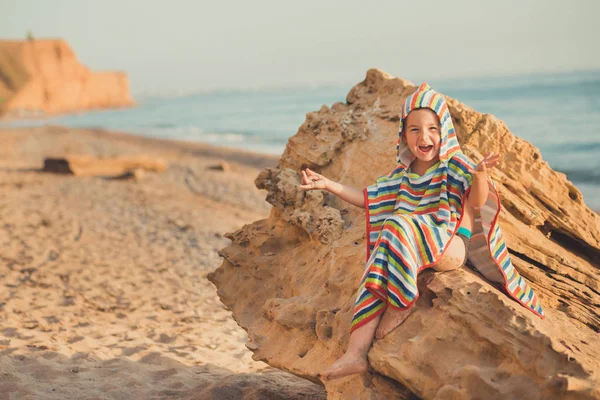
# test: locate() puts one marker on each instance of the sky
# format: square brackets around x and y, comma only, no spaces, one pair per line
[182,47]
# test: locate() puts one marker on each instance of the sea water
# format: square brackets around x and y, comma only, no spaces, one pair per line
[557,113]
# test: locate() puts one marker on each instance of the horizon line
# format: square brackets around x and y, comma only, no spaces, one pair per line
[270,88]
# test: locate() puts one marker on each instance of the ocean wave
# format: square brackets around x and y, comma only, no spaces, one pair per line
[165,125]
[587,147]
[588,176]
[194,133]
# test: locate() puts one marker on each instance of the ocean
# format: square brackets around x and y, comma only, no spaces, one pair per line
[558,113]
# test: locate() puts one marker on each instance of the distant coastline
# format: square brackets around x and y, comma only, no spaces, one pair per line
[44,78]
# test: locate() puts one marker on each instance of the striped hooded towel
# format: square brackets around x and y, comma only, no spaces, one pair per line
[411,219]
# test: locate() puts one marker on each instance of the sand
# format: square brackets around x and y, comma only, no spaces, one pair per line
[103,281]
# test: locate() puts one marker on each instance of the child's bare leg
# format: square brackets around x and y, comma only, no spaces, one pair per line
[392,318]
[354,360]
[453,258]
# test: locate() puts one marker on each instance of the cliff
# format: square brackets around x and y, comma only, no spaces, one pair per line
[291,279]
[41,77]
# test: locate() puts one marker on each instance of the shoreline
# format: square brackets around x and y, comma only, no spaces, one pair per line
[250,158]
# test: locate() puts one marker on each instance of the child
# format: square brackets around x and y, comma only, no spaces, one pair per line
[421,215]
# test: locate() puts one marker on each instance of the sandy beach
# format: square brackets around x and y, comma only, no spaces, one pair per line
[104,290]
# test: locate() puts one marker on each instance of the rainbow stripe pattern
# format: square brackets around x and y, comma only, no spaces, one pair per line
[411,219]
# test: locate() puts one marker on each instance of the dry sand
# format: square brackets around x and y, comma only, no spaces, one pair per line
[103,282]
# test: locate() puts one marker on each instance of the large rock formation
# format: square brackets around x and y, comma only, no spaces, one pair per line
[291,279]
[40,77]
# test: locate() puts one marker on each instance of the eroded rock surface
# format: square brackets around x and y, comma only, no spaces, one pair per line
[291,279]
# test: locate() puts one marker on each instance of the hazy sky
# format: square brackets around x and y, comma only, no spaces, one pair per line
[186,46]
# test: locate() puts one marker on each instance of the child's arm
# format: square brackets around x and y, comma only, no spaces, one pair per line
[479,186]
[311,180]
[349,194]
[479,189]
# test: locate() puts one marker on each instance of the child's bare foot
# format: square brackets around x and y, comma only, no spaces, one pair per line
[346,365]
[392,318]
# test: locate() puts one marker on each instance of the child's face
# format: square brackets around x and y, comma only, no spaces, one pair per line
[422,134]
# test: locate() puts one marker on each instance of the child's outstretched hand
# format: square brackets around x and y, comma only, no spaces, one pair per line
[489,161]
[311,180]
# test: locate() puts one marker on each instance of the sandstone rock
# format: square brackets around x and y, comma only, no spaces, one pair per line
[40,77]
[118,167]
[290,280]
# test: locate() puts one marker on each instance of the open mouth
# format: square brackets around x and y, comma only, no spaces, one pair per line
[425,149]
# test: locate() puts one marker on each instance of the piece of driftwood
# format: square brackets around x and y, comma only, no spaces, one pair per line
[105,166]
